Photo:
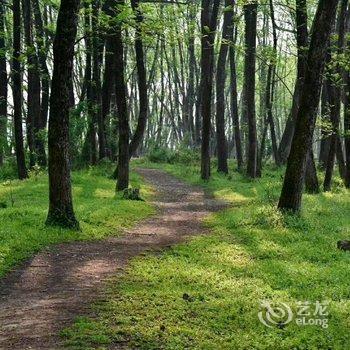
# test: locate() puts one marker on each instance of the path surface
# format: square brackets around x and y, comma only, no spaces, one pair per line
[48,292]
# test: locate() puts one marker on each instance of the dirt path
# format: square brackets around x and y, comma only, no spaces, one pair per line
[48,292]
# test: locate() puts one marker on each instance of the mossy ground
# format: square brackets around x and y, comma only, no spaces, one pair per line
[206,294]
[100,213]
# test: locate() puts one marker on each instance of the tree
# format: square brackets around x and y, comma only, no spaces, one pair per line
[17,90]
[34,86]
[334,94]
[347,110]
[227,30]
[209,15]
[61,211]
[41,40]
[250,16]
[141,80]
[123,120]
[305,123]
[234,104]
[302,37]
[3,86]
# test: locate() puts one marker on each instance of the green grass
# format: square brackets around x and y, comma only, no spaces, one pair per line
[100,212]
[206,294]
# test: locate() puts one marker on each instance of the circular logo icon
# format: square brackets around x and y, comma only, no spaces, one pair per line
[275,314]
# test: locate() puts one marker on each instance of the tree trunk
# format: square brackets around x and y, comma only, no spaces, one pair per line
[221,142]
[234,107]
[17,90]
[45,79]
[34,86]
[335,148]
[141,81]
[347,118]
[3,86]
[90,147]
[209,14]
[250,15]
[302,43]
[61,211]
[96,79]
[305,124]
[312,185]
[123,122]
[109,75]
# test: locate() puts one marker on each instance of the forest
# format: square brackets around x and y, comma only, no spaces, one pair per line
[174,174]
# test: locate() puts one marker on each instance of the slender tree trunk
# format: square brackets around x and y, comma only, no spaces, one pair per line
[191,71]
[108,75]
[250,15]
[45,80]
[141,81]
[312,185]
[302,43]
[220,88]
[123,122]
[3,86]
[305,124]
[61,211]
[96,79]
[34,87]
[210,9]
[272,89]
[17,90]
[234,108]
[347,114]
[335,148]
[90,147]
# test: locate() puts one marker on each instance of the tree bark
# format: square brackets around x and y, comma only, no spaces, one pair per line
[250,15]
[17,90]
[302,43]
[123,122]
[61,211]
[234,107]
[347,115]
[45,79]
[3,86]
[335,148]
[34,86]
[209,14]
[221,142]
[141,81]
[108,75]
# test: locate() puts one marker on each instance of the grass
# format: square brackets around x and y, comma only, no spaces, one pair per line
[206,294]
[24,205]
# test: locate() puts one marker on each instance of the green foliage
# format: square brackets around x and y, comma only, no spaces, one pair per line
[9,169]
[183,155]
[254,253]
[159,154]
[100,213]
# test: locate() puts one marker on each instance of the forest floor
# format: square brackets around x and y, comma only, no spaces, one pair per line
[51,289]
[209,293]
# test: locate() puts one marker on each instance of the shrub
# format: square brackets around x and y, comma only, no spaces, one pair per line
[158,154]
[8,170]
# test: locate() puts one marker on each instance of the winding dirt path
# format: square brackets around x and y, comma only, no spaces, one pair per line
[51,289]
